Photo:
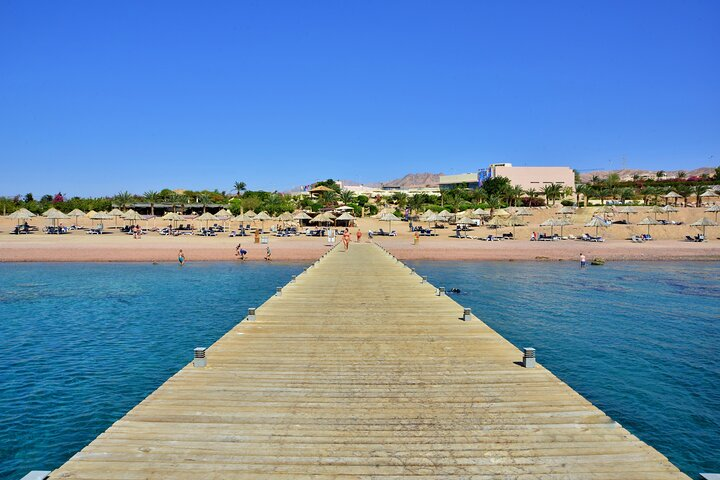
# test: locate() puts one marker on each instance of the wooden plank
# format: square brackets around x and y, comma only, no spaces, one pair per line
[358,370]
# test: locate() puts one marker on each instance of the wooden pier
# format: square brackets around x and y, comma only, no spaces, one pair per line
[359,370]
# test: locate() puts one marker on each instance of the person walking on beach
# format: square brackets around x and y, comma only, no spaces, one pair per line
[181,258]
[346,239]
[359,235]
[582,261]
[240,252]
[267,254]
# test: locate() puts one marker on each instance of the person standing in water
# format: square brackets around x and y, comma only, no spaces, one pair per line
[181,258]
[582,261]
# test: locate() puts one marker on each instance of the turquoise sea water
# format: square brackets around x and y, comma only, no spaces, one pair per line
[84,343]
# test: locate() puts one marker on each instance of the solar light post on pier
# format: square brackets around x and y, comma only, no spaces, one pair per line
[199,359]
[529,357]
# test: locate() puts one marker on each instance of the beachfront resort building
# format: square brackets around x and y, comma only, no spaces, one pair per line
[526,177]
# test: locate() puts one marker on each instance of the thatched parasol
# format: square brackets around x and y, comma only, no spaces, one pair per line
[704,222]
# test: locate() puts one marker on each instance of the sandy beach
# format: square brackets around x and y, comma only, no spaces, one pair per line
[118,247]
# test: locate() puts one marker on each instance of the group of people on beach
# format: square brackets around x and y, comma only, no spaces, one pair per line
[346,237]
[241,253]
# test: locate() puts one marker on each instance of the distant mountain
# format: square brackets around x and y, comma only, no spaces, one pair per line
[415,180]
[628,174]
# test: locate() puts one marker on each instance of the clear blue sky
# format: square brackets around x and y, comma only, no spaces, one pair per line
[98,97]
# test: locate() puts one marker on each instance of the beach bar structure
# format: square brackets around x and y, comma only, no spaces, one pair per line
[392,382]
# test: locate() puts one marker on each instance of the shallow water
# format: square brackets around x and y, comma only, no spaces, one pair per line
[639,340]
[84,343]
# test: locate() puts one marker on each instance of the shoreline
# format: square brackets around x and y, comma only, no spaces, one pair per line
[91,249]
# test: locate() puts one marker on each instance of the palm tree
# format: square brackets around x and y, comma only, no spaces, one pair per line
[400,199]
[328,198]
[647,193]
[493,203]
[123,199]
[584,190]
[416,202]
[513,194]
[239,187]
[626,194]
[152,198]
[347,196]
[532,193]
[204,200]
[685,191]
[479,195]
[681,174]
[659,174]
[552,192]
[698,190]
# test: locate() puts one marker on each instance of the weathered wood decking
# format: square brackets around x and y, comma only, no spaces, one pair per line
[359,371]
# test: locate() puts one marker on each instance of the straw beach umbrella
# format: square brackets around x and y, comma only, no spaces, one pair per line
[562,223]
[648,221]
[515,221]
[132,216]
[628,210]
[605,210]
[552,223]
[704,222]
[261,217]
[207,217]
[55,215]
[116,213]
[21,214]
[709,194]
[346,217]
[285,217]
[481,212]
[90,213]
[567,210]
[173,217]
[656,209]
[597,222]
[496,222]
[301,217]
[76,213]
[670,195]
[669,209]
[50,211]
[525,212]
[102,216]
[389,217]
[714,209]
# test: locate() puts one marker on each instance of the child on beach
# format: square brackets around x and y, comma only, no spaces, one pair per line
[240,252]
[181,258]
[359,235]
[267,254]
